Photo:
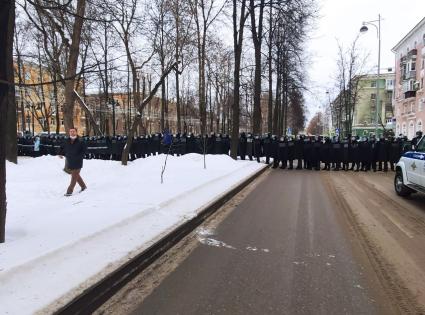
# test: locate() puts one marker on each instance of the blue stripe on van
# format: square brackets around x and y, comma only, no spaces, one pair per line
[414,155]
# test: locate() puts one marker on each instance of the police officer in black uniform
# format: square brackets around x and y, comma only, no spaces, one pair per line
[317,144]
[249,146]
[291,152]
[258,148]
[365,150]
[282,152]
[345,153]
[382,154]
[395,152]
[307,154]
[267,147]
[325,153]
[242,147]
[299,154]
[354,154]
[416,139]
[336,153]
[274,151]
[183,144]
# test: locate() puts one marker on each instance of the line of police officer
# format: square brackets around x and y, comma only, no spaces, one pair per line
[310,152]
[351,153]
[111,148]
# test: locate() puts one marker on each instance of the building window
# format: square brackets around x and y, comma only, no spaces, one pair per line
[373,96]
[397,129]
[413,65]
[419,126]
[412,107]
[61,122]
[423,39]
[411,130]
[373,84]
[403,131]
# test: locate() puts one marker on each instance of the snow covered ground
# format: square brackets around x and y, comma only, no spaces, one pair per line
[56,246]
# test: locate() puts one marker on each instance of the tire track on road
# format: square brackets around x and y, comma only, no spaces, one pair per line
[395,288]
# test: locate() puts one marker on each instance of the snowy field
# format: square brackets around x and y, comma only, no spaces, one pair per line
[56,246]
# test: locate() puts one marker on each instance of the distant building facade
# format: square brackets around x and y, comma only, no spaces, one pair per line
[39,107]
[409,98]
[364,116]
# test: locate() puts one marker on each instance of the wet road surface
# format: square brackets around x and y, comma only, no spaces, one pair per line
[285,249]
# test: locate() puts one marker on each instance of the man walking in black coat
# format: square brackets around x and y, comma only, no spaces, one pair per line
[74,151]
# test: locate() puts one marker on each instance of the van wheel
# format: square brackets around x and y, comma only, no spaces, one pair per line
[399,187]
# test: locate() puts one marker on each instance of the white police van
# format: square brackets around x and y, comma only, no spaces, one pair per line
[410,171]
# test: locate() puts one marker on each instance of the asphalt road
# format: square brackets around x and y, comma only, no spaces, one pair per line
[286,248]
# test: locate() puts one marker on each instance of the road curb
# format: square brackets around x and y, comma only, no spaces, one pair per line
[96,295]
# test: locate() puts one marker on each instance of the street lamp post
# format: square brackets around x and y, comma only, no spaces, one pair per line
[364,29]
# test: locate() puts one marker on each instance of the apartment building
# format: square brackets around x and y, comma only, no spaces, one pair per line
[365,116]
[409,96]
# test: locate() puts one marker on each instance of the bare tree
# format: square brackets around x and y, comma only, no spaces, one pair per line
[257,38]
[238,29]
[140,109]
[315,126]
[205,12]
[71,69]
[350,64]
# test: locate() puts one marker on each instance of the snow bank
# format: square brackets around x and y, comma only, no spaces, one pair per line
[56,245]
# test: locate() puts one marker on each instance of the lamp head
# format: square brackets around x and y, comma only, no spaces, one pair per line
[363,29]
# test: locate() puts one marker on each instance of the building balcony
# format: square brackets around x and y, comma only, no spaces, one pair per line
[409,94]
[388,108]
[409,75]
[413,52]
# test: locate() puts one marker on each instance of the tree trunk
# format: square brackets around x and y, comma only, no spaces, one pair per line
[71,70]
[10,132]
[270,105]
[106,80]
[257,39]
[162,106]
[44,111]
[177,71]
[237,43]
[56,98]
[277,98]
[20,80]
[7,97]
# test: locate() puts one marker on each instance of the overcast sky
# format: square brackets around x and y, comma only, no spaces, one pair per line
[341,20]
